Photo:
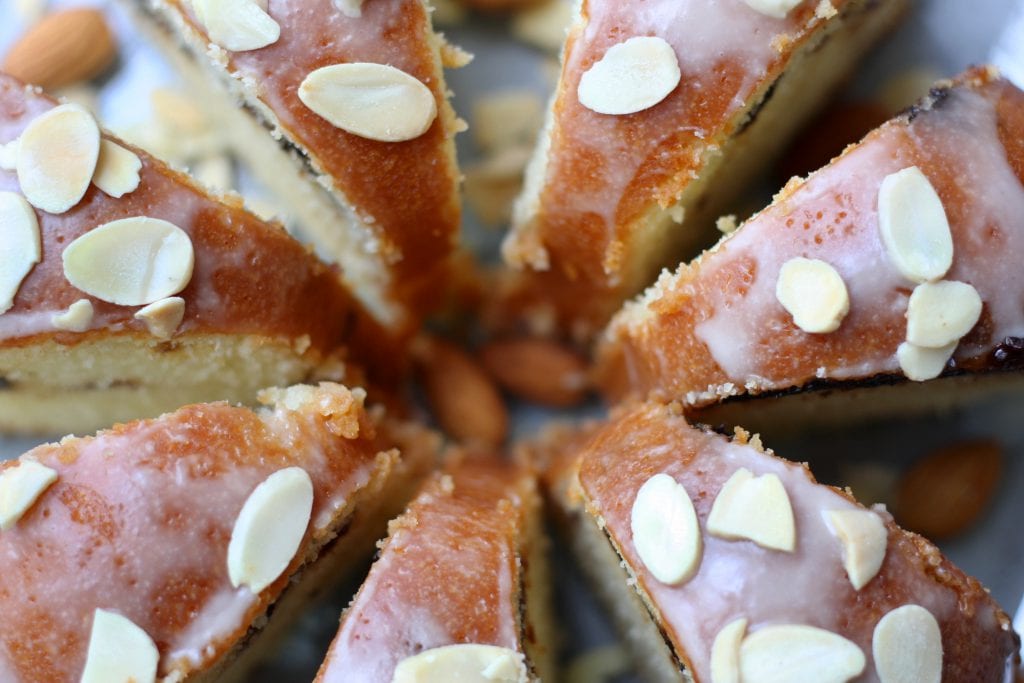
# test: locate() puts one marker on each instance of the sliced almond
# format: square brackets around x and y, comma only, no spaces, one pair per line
[756,509]
[920,364]
[725,652]
[119,651]
[798,654]
[77,318]
[941,313]
[373,101]
[907,646]
[270,528]
[350,8]
[237,25]
[773,8]
[464,662]
[20,488]
[57,157]
[914,227]
[117,171]
[215,172]
[20,247]
[9,155]
[864,539]
[131,261]
[665,530]
[632,76]
[814,293]
[163,317]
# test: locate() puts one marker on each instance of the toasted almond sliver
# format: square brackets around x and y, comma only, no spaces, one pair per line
[814,293]
[163,317]
[914,227]
[941,313]
[119,651]
[131,261]
[237,25]
[632,76]
[864,539]
[20,246]
[373,101]
[756,509]
[463,662]
[117,171]
[665,530]
[920,364]
[20,488]
[270,528]
[57,157]
[725,652]
[798,654]
[907,646]
[773,8]
[77,318]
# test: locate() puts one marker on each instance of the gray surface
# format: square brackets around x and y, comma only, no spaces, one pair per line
[945,35]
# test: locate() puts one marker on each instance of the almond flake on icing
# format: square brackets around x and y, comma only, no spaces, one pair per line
[864,539]
[20,247]
[237,25]
[907,646]
[373,101]
[119,651]
[665,530]
[350,8]
[463,662]
[163,317]
[77,318]
[920,364]
[117,171]
[756,509]
[20,488]
[941,313]
[773,8]
[57,156]
[725,652]
[814,293]
[632,76]
[270,528]
[799,654]
[914,227]
[131,261]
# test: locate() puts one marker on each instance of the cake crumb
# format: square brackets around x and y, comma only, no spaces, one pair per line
[726,224]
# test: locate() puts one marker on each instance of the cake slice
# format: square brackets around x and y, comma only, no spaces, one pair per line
[157,550]
[895,262]
[360,150]
[460,588]
[664,112]
[722,562]
[127,291]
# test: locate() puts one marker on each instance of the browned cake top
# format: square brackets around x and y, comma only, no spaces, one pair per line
[738,578]
[450,573]
[717,327]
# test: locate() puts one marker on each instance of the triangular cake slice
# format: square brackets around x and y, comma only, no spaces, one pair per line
[360,150]
[722,562]
[158,549]
[898,261]
[460,591]
[127,291]
[664,112]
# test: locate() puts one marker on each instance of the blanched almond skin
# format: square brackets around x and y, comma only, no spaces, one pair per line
[373,101]
[119,651]
[773,8]
[941,313]
[665,530]
[64,47]
[537,370]
[914,227]
[725,652]
[798,654]
[632,76]
[755,509]
[464,662]
[20,247]
[907,646]
[57,156]
[117,170]
[814,294]
[237,25]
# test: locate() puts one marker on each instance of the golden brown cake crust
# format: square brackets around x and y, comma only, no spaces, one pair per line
[603,476]
[657,345]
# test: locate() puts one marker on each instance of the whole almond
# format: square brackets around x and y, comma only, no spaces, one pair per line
[462,397]
[65,47]
[537,370]
[946,492]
